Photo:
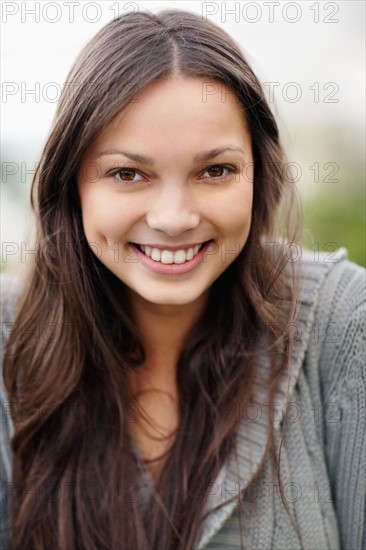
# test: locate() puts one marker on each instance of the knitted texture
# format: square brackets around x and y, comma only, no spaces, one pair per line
[323,453]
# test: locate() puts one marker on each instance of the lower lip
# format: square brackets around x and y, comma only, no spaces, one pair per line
[171,269]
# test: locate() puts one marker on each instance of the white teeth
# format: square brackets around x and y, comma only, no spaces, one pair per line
[179,257]
[169,257]
[190,253]
[156,254]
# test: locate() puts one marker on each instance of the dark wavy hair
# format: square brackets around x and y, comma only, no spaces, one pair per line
[74,384]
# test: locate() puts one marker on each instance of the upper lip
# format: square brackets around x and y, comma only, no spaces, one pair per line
[172,248]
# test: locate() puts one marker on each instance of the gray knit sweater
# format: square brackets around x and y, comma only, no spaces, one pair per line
[323,457]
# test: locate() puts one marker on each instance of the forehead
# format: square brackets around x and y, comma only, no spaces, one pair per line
[178,112]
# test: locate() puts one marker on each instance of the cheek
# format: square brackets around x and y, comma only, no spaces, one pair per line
[101,218]
[107,218]
[236,213]
[240,223]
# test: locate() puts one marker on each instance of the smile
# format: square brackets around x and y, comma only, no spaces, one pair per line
[168,262]
[168,256]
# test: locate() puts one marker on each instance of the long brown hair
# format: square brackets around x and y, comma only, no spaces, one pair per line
[73,453]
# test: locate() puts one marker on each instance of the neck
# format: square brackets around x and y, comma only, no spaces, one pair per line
[164,329]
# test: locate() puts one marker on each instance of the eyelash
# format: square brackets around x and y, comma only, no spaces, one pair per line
[230,169]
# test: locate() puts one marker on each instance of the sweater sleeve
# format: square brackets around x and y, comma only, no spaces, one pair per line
[5,467]
[343,380]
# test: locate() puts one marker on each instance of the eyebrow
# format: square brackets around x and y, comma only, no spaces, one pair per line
[202,157]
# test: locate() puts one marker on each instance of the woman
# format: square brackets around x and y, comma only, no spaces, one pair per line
[178,373]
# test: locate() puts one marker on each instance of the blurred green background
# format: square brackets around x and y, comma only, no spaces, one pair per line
[338,217]
[334,206]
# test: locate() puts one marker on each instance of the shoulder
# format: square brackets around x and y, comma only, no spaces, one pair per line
[10,292]
[332,318]
[332,284]
[328,337]
[342,278]
[340,319]
[336,331]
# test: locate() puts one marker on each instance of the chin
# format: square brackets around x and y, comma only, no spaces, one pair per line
[170,297]
[169,300]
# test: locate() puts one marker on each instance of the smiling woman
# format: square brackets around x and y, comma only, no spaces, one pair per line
[170,330]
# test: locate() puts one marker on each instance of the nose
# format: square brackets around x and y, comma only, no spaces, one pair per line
[173,211]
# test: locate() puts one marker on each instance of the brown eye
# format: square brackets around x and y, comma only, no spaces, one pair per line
[216,171]
[126,175]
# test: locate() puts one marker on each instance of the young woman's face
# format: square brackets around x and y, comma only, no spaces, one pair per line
[174,169]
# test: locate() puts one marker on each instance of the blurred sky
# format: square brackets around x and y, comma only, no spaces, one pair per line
[313,50]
